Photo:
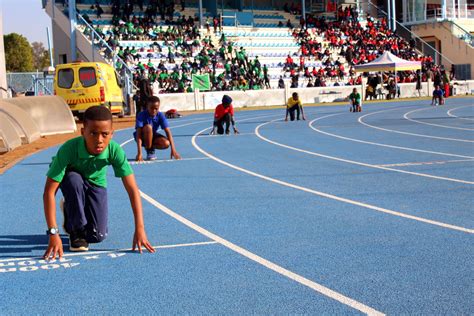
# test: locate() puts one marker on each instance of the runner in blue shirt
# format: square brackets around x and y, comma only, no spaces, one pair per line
[146,134]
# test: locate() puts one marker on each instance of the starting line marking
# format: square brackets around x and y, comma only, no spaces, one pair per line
[406,164]
[223,135]
[93,253]
[145,162]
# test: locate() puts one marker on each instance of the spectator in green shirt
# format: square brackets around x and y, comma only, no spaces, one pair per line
[79,169]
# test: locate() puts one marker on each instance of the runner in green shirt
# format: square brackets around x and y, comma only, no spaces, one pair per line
[79,169]
[354,99]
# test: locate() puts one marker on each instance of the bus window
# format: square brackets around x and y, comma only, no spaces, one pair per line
[65,78]
[87,77]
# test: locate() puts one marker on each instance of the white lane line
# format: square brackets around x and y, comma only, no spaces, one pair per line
[217,135]
[257,132]
[360,120]
[147,162]
[405,116]
[329,196]
[171,127]
[202,121]
[380,144]
[460,117]
[264,262]
[268,264]
[422,163]
[91,253]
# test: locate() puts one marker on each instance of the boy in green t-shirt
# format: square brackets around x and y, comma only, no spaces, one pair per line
[354,99]
[79,170]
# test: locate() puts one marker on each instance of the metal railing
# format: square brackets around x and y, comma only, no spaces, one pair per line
[461,33]
[125,73]
[420,44]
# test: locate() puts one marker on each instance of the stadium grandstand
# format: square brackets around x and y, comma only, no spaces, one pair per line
[253,45]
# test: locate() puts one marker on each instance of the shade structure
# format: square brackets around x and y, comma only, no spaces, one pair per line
[388,62]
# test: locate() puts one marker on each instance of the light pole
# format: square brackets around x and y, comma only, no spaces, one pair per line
[72,19]
[303,10]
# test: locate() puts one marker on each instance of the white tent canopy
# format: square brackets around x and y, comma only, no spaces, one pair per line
[388,62]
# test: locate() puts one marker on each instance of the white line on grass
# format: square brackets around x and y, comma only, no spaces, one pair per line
[264,262]
[257,132]
[407,133]
[329,196]
[91,253]
[460,117]
[405,116]
[380,144]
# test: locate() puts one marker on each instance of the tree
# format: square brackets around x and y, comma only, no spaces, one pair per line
[40,56]
[18,53]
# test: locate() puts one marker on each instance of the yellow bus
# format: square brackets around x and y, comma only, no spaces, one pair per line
[84,84]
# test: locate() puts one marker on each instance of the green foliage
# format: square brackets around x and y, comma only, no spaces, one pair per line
[40,56]
[18,53]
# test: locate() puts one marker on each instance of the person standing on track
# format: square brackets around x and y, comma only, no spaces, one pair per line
[224,115]
[79,169]
[294,105]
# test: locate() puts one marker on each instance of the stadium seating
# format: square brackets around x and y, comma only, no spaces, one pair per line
[265,40]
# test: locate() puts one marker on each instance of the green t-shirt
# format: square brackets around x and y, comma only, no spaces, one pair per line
[355,96]
[73,156]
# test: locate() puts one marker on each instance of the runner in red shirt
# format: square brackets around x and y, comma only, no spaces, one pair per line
[224,114]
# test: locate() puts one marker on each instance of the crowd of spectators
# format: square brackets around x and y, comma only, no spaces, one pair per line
[336,45]
[347,42]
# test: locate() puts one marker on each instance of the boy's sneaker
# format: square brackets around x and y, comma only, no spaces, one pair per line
[77,243]
[150,155]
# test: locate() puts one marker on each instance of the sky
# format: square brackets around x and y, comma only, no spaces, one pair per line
[25,17]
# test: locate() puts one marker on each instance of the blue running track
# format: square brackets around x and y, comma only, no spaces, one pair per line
[344,213]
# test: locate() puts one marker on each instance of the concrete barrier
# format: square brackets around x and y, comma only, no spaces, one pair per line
[50,113]
[25,126]
[9,137]
[272,97]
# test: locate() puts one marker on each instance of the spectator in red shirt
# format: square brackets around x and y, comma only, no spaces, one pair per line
[224,114]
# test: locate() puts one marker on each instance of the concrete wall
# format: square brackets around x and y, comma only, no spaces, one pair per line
[278,97]
[60,44]
[451,46]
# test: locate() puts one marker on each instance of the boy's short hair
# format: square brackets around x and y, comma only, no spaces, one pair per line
[153,99]
[294,94]
[97,113]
